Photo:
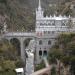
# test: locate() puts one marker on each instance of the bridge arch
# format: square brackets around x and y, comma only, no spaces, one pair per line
[16,43]
[27,42]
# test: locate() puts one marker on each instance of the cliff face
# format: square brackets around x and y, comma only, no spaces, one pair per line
[21,13]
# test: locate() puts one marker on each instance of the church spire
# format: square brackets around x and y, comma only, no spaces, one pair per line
[39,11]
[39,7]
[39,3]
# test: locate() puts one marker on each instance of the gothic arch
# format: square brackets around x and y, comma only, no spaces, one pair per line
[40,42]
[49,42]
[26,42]
[16,43]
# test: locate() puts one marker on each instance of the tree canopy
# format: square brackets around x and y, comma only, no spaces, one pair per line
[64,50]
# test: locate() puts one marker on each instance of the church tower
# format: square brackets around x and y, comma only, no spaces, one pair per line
[39,11]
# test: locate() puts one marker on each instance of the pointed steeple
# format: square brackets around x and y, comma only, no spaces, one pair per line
[39,11]
[39,6]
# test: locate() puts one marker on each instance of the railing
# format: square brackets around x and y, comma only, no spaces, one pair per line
[20,34]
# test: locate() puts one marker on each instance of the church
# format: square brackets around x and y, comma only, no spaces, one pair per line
[48,28]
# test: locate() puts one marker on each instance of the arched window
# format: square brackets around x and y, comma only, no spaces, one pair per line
[40,53]
[49,42]
[48,32]
[45,53]
[44,32]
[63,23]
[40,42]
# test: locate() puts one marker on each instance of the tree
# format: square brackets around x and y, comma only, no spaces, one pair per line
[73,65]
[7,50]
[8,65]
[8,58]
[53,71]
[40,66]
[19,63]
[64,50]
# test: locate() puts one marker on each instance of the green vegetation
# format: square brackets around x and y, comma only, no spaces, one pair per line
[3,1]
[9,60]
[8,73]
[40,66]
[64,51]
[53,71]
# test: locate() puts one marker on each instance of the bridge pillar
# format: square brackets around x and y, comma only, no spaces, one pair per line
[23,57]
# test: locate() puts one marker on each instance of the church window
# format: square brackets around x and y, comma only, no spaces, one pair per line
[63,23]
[52,32]
[40,53]
[45,53]
[52,22]
[45,32]
[40,42]
[49,42]
[48,32]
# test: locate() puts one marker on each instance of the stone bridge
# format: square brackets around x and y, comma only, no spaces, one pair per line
[21,37]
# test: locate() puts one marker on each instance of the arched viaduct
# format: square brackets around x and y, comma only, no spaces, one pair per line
[21,37]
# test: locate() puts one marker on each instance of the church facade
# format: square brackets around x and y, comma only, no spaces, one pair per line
[47,29]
